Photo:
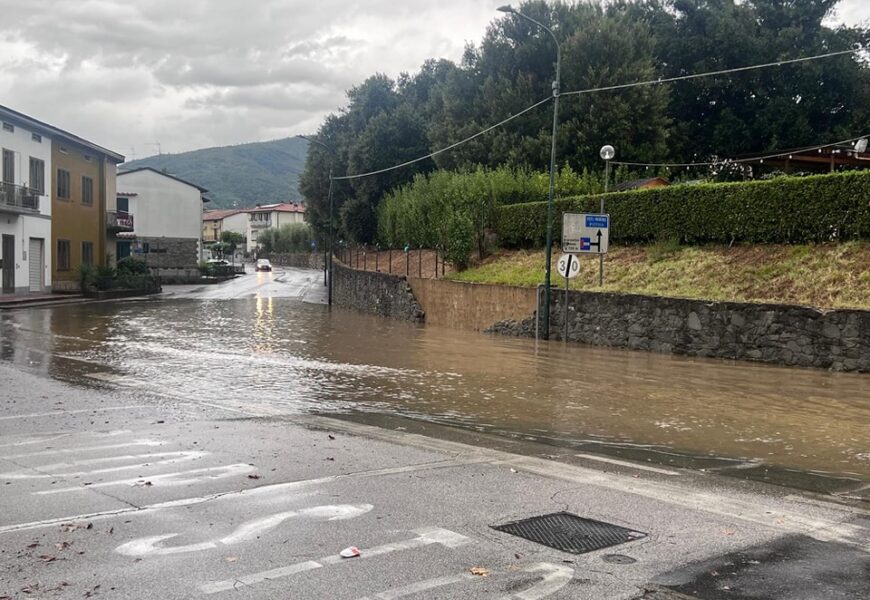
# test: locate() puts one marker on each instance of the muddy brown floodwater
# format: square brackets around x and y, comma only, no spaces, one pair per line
[296,357]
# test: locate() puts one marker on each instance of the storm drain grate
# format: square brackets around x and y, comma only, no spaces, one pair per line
[570,533]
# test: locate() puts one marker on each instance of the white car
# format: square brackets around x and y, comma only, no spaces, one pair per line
[263,265]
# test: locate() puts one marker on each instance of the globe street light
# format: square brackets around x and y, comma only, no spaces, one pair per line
[607,153]
[327,265]
[508,9]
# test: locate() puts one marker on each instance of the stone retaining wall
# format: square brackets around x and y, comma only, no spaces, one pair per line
[781,334]
[307,260]
[376,293]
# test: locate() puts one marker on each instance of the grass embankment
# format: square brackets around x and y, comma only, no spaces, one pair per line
[826,276]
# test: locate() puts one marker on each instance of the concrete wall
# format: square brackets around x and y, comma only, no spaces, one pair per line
[471,306]
[376,293]
[780,334]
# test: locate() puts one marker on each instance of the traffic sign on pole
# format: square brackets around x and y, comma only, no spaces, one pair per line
[585,233]
[568,266]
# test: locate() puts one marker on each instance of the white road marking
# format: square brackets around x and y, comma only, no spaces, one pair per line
[72,412]
[166,458]
[283,488]
[164,479]
[425,537]
[555,578]
[420,586]
[85,449]
[148,546]
[625,463]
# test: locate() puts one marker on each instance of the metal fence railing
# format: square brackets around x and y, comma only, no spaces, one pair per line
[411,262]
[19,197]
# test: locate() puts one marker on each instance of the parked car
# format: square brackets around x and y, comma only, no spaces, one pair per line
[218,262]
[263,265]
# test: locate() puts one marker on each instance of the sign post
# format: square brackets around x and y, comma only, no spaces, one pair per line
[568,267]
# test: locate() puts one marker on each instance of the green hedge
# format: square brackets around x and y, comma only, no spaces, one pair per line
[784,210]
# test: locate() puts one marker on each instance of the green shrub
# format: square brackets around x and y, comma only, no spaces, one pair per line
[132,266]
[294,237]
[785,210]
[87,277]
[104,277]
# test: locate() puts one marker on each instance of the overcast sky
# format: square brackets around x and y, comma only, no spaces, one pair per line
[196,73]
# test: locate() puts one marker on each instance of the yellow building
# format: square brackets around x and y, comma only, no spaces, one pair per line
[83,178]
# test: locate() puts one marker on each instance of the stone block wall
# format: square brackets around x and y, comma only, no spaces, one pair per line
[781,334]
[376,293]
[170,253]
[306,260]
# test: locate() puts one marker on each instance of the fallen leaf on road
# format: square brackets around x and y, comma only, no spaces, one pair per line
[330,458]
[47,558]
[332,437]
[728,532]
[480,571]
[62,545]
[253,476]
[231,558]
[33,545]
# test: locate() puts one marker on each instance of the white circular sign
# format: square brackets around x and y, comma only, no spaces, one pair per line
[568,266]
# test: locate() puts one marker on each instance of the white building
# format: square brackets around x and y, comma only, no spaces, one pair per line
[25,205]
[165,212]
[215,222]
[272,216]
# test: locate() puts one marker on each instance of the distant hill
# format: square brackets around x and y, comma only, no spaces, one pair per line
[238,176]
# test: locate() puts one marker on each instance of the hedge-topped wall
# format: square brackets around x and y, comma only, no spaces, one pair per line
[784,210]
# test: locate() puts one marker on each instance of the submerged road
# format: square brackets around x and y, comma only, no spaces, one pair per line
[119,493]
[300,284]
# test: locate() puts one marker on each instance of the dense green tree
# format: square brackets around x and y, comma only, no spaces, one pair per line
[603,44]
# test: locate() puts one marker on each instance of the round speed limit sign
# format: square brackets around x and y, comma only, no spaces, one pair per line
[568,266]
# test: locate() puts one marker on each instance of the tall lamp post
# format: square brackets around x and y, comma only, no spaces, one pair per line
[607,153]
[327,265]
[546,321]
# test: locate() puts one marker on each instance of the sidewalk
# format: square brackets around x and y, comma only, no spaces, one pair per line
[108,491]
[38,299]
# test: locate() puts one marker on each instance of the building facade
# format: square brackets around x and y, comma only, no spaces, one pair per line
[215,222]
[25,208]
[161,216]
[272,216]
[52,197]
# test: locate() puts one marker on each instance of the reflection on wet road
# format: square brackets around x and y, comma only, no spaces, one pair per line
[284,356]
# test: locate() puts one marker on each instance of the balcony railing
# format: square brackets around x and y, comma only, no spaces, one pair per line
[119,221]
[258,224]
[18,199]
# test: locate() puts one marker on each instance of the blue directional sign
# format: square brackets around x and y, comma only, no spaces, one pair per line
[585,233]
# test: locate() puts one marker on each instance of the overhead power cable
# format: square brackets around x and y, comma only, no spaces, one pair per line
[726,161]
[451,146]
[594,90]
[662,80]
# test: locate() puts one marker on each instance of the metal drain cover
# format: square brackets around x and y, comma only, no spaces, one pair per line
[570,533]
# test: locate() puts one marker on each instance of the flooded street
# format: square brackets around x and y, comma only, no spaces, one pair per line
[263,348]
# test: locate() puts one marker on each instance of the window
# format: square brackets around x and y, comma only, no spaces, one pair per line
[8,166]
[37,175]
[63,255]
[63,184]
[87,191]
[8,126]
[146,248]
[123,205]
[36,138]
[87,253]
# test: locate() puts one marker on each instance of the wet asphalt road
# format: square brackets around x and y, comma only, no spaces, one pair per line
[116,494]
[143,491]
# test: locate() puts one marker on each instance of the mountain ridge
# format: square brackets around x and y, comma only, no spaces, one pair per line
[240,175]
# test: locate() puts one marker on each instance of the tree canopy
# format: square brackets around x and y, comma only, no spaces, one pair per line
[387,122]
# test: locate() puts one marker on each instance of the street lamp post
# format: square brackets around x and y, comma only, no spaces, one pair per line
[607,153]
[546,321]
[327,265]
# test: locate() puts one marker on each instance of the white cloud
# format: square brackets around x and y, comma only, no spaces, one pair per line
[197,73]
